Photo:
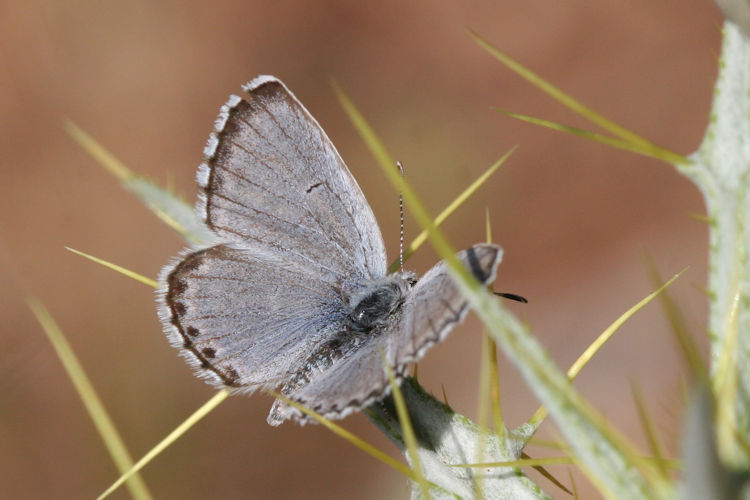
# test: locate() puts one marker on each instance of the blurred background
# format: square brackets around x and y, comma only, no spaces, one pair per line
[146,79]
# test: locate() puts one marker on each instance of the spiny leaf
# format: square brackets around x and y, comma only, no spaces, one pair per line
[127,272]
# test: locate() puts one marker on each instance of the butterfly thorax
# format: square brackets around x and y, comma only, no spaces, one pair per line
[372,306]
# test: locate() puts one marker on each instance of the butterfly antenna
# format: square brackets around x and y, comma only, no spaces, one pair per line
[401,212]
[512,296]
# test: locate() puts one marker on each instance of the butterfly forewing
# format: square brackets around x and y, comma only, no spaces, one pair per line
[436,304]
[272,179]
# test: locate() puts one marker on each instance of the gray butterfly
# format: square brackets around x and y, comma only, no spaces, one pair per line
[294,292]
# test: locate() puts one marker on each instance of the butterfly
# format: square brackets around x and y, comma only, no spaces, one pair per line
[293,293]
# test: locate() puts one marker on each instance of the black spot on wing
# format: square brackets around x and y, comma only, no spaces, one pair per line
[318,184]
[179,309]
[480,260]
[177,286]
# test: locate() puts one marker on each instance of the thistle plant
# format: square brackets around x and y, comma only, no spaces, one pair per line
[449,456]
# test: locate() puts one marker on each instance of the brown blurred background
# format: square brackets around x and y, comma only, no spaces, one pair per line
[146,79]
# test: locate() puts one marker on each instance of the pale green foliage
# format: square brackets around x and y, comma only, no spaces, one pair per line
[721,169]
[445,439]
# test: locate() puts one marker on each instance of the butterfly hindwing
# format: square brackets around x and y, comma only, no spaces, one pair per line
[245,320]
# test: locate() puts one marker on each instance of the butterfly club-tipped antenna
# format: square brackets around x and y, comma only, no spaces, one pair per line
[505,295]
[512,296]
[401,213]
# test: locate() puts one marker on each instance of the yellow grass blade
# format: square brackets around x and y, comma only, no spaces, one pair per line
[497,411]
[726,377]
[483,394]
[573,484]
[545,473]
[348,436]
[169,221]
[597,344]
[576,106]
[547,443]
[100,154]
[711,221]
[498,422]
[487,225]
[689,348]
[407,431]
[489,377]
[489,389]
[650,430]
[589,353]
[643,149]
[445,395]
[452,207]
[130,274]
[91,401]
[376,147]
[204,410]
[386,163]
[486,407]
[166,205]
